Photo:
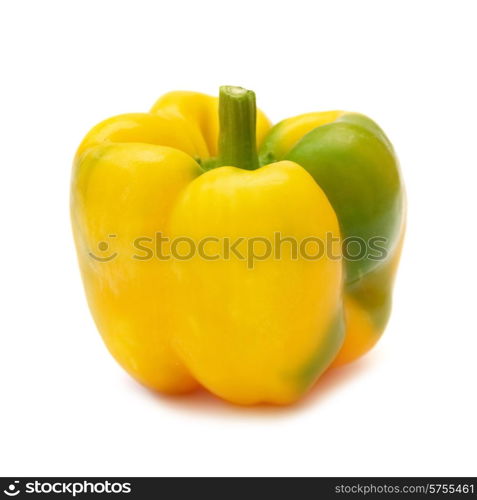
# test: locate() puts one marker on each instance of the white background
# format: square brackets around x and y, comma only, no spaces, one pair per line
[409,407]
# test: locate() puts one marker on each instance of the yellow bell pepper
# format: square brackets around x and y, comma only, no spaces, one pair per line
[177,223]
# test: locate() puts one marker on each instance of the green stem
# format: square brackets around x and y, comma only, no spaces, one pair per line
[237,137]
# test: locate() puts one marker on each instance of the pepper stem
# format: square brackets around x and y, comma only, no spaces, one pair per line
[237,137]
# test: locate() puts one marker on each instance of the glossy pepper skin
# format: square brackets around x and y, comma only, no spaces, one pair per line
[260,334]
[354,162]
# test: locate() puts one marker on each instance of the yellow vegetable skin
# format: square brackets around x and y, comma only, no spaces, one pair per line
[249,332]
